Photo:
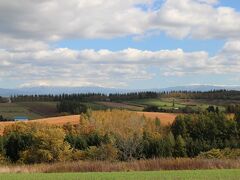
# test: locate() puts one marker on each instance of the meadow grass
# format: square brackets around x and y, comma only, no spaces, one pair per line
[144,175]
[130,166]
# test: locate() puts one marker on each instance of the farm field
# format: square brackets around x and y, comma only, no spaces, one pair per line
[73,119]
[203,103]
[43,109]
[183,174]
[11,110]
[165,118]
[218,102]
[167,103]
[156,102]
[37,110]
[122,105]
[95,106]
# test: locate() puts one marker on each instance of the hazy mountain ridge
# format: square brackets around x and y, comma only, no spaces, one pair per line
[71,90]
[202,88]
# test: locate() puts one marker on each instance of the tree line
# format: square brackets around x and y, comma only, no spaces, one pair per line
[71,107]
[210,95]
[118,135]
[185,110]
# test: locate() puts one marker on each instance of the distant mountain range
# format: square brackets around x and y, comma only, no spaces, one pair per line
[202,88]
[70,90]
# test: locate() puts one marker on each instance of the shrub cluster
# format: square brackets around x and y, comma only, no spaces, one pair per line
[226,153]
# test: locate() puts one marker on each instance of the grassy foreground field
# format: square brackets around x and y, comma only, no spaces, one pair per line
[188,174]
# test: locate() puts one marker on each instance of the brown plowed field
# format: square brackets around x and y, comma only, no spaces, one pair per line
[74,119]
[165,118]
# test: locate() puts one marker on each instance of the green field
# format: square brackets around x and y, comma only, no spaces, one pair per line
[167,103]
[11,110]
[119,105]
[188,174]
[31,110]
[36,110]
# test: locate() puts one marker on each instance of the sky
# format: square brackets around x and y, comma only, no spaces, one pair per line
[119,43]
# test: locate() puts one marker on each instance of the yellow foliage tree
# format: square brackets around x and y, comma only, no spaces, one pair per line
[48,146]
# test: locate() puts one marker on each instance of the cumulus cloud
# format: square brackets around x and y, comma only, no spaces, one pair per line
[59,19]
[53,20]
[87,67]
[196,19]
[29,27]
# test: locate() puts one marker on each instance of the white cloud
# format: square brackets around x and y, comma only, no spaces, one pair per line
[28,28]
[232,46]
[59,19]
[65,66]
[53,20]
[194,19]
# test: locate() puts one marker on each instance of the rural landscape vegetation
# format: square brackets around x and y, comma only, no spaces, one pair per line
[144,131]
[120,89]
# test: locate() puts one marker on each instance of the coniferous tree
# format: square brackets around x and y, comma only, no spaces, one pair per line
[180,147]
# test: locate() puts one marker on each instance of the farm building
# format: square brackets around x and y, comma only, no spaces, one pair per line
[20,118]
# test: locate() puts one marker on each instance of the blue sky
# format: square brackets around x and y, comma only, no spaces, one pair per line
[152,43]
[125,44]
[231,3]
[161,41]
